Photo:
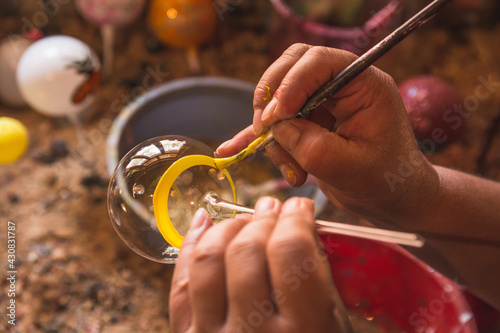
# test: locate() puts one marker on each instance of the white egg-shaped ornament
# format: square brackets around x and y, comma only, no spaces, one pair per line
[11,50]
[58,76]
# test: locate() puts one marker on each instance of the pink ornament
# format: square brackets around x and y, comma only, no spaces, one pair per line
[110,12]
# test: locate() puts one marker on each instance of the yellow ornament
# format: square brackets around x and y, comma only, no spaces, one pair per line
[13,140]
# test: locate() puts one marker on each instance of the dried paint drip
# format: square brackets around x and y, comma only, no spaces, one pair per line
[268,96]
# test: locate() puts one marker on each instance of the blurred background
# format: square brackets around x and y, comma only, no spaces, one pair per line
[74,274]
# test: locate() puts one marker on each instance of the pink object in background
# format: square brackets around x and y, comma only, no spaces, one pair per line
[112,12]
[435,108]
[288,28]
[394,290]
[109,14]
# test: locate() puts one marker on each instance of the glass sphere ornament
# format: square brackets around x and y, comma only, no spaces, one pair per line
[131,194]
[58,76]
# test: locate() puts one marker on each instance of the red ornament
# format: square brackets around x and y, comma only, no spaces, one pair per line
[434,107]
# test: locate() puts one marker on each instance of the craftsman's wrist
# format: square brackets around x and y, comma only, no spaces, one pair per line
[419,198]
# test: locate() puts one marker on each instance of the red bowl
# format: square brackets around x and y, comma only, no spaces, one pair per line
[396,291]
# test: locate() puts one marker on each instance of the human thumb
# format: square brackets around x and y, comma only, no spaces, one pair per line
[315,148]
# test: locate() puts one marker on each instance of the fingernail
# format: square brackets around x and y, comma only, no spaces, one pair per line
[222,146]
[269,110]
[199,223]
[265,203]
[258,129]
[266,206]
[288,173]
[286,134]
[308,203]
[295,204]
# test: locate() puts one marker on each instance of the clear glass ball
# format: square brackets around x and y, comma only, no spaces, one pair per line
[133,183]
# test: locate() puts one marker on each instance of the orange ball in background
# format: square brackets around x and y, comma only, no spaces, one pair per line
[182,23]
